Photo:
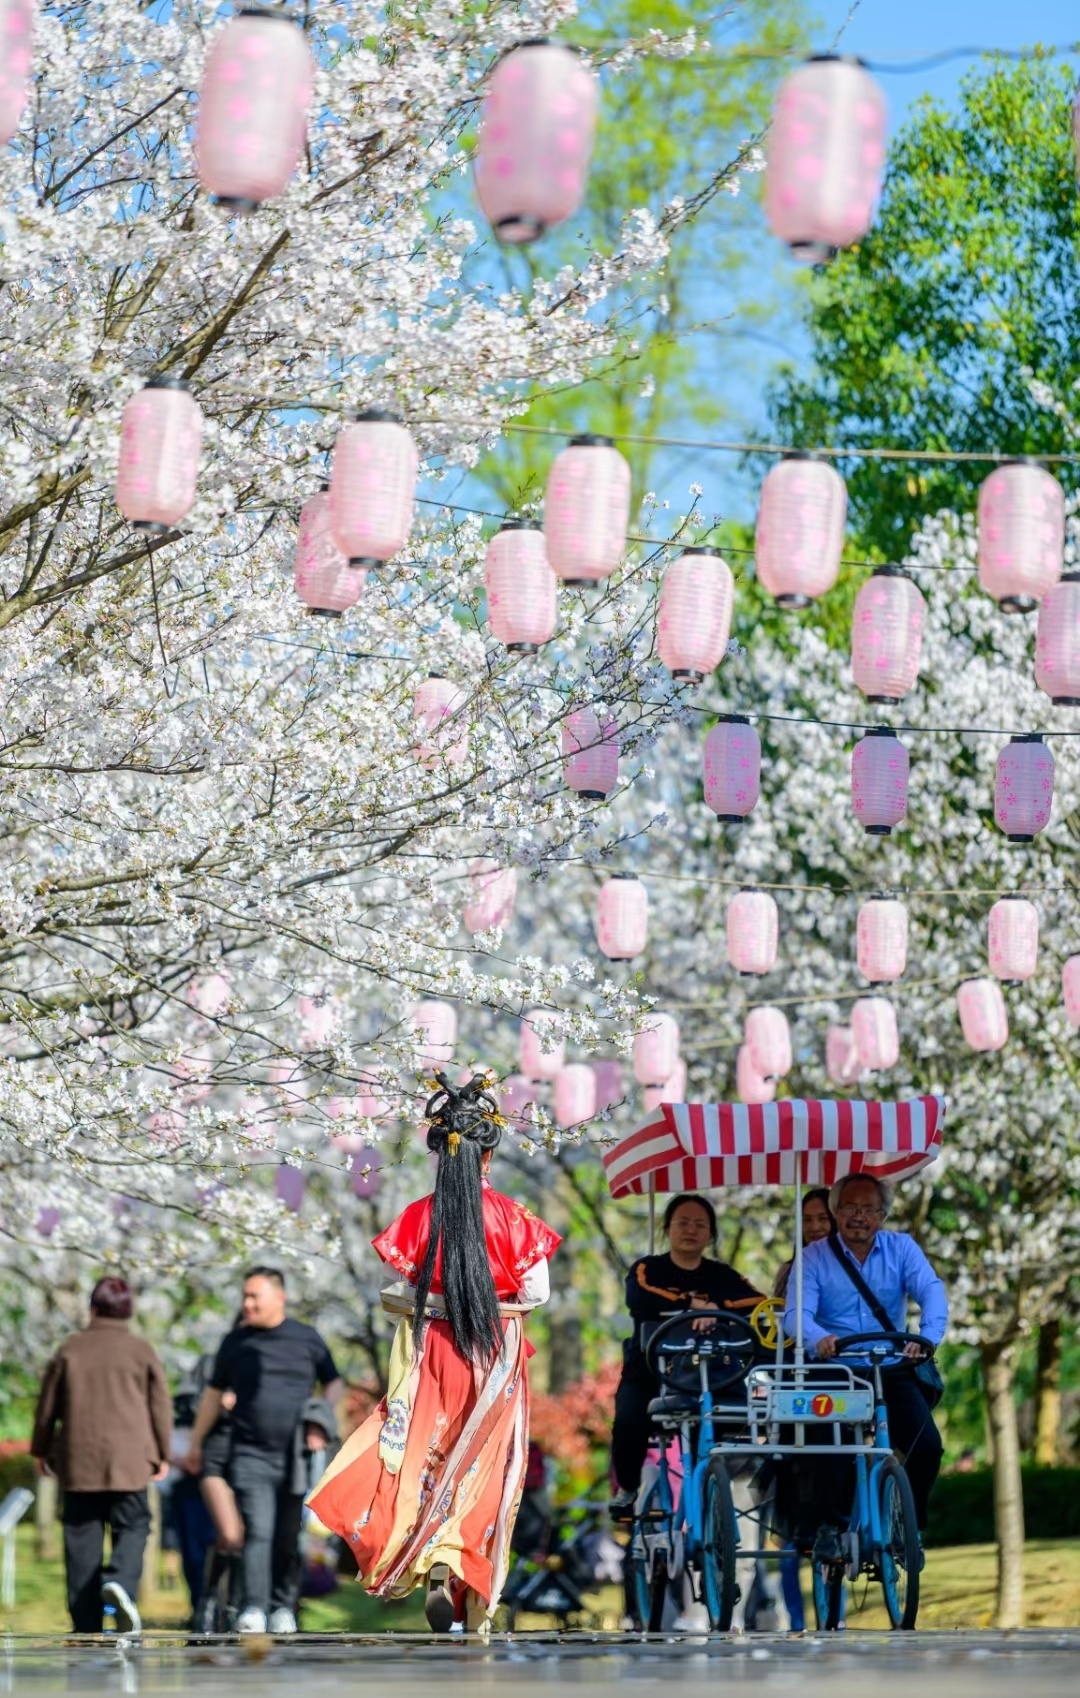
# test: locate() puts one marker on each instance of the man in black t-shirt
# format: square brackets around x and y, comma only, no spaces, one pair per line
[271,1364]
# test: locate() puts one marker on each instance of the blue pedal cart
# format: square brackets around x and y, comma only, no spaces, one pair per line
[740,1402]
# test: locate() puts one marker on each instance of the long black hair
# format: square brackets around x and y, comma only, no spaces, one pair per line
[462,1125]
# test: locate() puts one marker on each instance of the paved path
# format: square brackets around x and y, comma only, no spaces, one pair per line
[862,1665]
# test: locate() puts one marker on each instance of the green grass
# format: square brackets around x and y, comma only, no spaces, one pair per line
[957,1592]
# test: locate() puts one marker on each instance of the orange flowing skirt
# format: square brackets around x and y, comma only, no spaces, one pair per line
[459,1443]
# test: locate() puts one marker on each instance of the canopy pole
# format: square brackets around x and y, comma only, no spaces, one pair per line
[652,1214]
[800,1158]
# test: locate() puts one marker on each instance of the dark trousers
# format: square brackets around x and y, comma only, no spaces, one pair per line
[631,1430]
[195,1533]
[271,1512]
[85,1517]
[912,1431]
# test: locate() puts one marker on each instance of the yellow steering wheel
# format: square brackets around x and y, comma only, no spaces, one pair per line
[763,1319]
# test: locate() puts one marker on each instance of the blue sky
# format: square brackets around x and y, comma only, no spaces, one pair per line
[912,29]
[881,31]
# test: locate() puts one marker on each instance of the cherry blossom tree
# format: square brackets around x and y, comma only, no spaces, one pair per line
[232,861]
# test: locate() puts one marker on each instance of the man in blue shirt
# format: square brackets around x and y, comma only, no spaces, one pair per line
[896,1272]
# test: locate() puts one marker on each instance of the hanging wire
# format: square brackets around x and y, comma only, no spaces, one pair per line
[944,456]
[669,542]
[877,724]
[880,888]
[880,67]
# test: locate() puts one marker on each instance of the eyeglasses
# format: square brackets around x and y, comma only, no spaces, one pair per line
[859,1209]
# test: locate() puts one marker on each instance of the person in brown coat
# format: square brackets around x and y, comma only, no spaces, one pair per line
[104,1427]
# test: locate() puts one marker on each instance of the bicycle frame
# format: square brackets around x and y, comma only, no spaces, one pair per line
[681,1512]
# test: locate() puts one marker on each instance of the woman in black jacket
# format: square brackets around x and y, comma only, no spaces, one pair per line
[682,1277]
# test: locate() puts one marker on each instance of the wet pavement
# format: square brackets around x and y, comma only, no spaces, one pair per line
[1042,1664]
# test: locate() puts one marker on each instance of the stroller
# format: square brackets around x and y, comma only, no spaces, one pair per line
[562,1554]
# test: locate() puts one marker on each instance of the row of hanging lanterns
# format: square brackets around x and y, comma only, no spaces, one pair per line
[880,769]
[362,517]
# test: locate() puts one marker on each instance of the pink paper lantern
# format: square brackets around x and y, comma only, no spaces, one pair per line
[160,443]
[48,1220]
[366,1177]
[799,537]
[586,510]
[879,780]
[825,157]
[438,710]
[842,1062]
[536,135]
[1070,986]
[693,622]
[732,768]
[575,1094]
[622,917]
[435,1024]
[656,1050]
[1021,534]
[983,1017]
[541,1055]
[610,1089]
[323,579]
[1024,788]
[768,1038]
[753,926]
[373,487]
[318,1018]
[289,1187]
[493,898]
[1057,643]
[881,940]
[211,996]
[522,599]
[590,754]
[515,1095]
[253,101]
[750,1086]
[16,43]
[1013,939]
[673,1090]
[877,1041]
[886,635]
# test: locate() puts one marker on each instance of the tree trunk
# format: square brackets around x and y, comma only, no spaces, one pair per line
[997,1363]
[566,1362]
[1048,1394]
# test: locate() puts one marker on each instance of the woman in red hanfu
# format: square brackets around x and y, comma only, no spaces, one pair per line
[428,1488]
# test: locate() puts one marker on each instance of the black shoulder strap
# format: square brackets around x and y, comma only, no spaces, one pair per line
[876,1309]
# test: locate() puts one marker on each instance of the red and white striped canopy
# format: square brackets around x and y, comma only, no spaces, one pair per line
[702,1146]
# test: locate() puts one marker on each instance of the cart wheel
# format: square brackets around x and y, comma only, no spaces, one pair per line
[647,1593]
[828,1595]
[718,1542]
[901,1557]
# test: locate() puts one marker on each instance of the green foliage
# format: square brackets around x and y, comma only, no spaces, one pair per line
[962,1507]
[928,334]
[667,127]
[17,1468]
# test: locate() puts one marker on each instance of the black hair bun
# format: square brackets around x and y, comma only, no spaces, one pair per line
[469,1111]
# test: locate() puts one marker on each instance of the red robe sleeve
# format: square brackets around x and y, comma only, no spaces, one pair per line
[528,1239]
[402,1244]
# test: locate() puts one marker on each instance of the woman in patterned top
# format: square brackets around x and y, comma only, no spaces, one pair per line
[427,1489]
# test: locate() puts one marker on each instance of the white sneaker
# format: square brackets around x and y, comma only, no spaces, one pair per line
[251,1621]
[128,1619]
[282,1621]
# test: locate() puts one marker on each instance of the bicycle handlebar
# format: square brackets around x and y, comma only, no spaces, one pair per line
[897,1339]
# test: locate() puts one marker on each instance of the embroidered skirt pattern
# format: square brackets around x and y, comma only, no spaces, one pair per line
[456,1439]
